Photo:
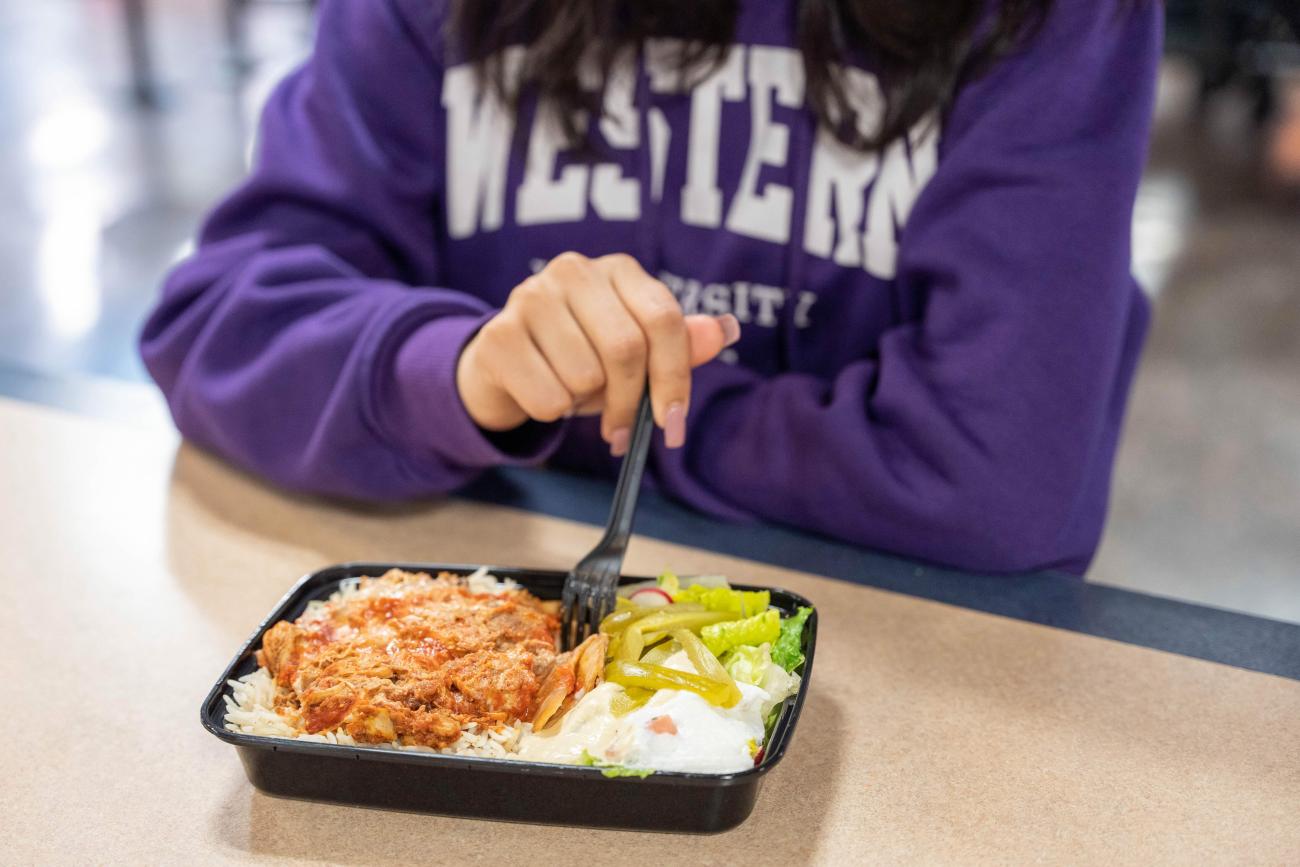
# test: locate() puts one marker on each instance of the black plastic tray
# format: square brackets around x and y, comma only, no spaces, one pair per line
[500,789]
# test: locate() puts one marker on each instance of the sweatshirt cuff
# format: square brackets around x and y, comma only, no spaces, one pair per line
[424,412]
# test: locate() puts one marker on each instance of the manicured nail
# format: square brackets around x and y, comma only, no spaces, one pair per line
[618,442]
[675,426]
[730,328]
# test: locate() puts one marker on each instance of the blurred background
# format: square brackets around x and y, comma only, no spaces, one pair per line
[121,121]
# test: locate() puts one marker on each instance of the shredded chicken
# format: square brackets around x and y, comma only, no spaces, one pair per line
[415,659]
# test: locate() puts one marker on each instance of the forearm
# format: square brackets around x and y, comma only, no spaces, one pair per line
[319,379]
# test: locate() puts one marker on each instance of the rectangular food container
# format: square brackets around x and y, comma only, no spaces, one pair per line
[482,788]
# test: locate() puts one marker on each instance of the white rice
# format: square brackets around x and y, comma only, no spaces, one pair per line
[250,706]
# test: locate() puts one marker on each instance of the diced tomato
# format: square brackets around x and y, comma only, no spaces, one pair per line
[662,725]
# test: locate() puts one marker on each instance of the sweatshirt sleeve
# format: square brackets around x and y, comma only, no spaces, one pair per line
[296,340]
[969,437]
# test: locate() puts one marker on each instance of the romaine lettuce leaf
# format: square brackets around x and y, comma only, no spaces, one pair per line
[721,637]
[669,584]
[746,603]
[787,652]
[754,665]
[779,685]
[769,722]
[612,770]
[748,663]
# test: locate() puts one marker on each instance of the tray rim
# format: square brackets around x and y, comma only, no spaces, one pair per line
[211,709]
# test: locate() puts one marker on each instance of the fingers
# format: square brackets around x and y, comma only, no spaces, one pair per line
[709,335]
[660,318]
[486,402]
[561,340]
[591,406]
[617,338]
[585,336]
[522,371]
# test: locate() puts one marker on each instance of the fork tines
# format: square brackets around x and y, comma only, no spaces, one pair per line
[589,596]
[590,589]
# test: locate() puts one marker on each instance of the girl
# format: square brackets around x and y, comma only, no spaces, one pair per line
[890,238]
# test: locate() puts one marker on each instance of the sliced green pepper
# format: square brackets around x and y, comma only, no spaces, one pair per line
[653,677]
[672,617]
[707,664]
[630,645]
[628,700]
[626,613]
[620,619]
[657,654]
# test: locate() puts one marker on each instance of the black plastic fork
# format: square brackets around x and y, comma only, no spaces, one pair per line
[592,586]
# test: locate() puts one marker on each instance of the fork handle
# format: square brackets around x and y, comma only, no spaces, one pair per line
[629,476]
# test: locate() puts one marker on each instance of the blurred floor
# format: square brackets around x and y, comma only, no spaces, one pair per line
[97,198]
[1206,503]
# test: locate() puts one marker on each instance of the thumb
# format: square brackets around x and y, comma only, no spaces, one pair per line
[710,335]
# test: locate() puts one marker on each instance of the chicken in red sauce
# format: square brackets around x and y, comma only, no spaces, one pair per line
[415,659]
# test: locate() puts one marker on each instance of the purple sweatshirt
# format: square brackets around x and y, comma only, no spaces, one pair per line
[937,344]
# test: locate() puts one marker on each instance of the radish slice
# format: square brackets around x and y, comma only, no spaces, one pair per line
[651,597]
[628,590]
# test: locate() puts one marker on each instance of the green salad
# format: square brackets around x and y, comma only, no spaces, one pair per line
[729,636]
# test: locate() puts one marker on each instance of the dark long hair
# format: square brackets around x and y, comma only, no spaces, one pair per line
[921,50]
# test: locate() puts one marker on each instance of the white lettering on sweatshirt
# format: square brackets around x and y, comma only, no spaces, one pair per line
[613,196]
[855,204]
[906,168]
[839,176]
[543,197]
[479,132]
[763,211]
[701,197]
[751,303]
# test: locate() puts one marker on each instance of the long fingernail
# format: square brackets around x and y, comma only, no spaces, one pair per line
[618,442]
[730,328]
[675,426]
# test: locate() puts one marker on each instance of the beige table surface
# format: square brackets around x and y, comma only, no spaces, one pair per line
[133,570]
